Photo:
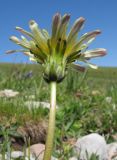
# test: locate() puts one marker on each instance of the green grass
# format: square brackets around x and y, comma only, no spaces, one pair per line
[76,116]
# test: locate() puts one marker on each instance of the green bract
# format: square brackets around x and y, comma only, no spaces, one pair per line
[57,52]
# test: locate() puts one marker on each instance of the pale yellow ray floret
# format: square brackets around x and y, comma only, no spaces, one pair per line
[59,51]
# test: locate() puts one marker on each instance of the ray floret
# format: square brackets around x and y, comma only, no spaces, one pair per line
[59,51]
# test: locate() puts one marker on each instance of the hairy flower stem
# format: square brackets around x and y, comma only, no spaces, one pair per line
[51,126]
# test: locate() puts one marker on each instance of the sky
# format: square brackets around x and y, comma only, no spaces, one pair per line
[99,14]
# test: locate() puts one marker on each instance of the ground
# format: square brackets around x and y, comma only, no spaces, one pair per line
[87,102]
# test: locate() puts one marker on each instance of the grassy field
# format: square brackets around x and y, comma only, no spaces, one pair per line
[82,100]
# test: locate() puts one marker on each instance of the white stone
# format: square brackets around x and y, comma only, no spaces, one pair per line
[31,157]
[73,158]
[108,99]
[112,150]
[34,158]
[37,151]
[114,106]
[37,104]
[31,97]
[17,154]
[91,144]
[53,158]
[8,93]
[96,92]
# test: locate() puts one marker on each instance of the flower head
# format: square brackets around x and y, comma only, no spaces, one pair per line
[57,52]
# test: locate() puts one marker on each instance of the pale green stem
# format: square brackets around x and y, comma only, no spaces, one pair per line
[51,126]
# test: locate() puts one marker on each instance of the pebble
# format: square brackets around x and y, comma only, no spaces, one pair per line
[91,144]
[37,104]
[8,93]
[37,150]
[112,150]
[16,154]
[108,99]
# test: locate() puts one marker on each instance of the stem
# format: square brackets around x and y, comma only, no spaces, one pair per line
[51,126]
